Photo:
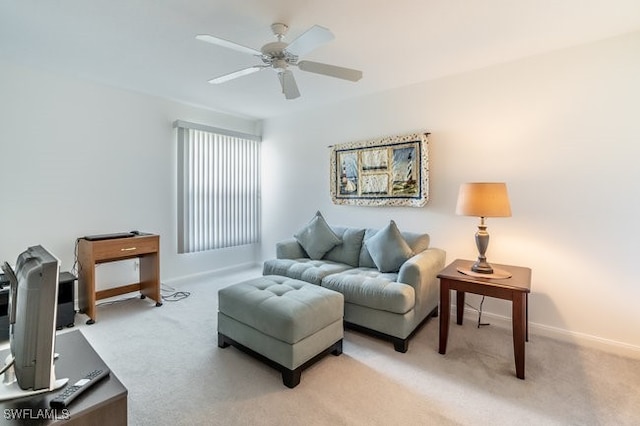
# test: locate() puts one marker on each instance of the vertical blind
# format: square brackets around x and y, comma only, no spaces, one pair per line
[218,188]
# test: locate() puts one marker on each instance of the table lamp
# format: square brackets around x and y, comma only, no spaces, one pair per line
[483,199]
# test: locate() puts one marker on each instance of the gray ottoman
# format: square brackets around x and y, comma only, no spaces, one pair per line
[285,322]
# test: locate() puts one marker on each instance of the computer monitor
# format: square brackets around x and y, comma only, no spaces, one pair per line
[32,312]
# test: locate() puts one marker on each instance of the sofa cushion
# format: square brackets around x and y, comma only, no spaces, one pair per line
[349,251]
[317,238]
[365,260]
[388,248]
[311,271]
[373,289]
[417,242]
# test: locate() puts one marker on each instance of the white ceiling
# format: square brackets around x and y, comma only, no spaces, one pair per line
[149,45]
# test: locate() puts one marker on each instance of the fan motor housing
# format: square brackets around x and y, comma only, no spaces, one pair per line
[274,49]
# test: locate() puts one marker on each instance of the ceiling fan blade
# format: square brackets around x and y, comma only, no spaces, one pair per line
[311,39]
[236,74]
[228,44]
[288,83]
[330,70]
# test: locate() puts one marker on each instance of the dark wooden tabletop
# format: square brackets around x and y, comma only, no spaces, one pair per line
[520,276]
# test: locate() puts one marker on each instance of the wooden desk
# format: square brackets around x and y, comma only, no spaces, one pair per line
[105,404]
[516,289]
[90,253]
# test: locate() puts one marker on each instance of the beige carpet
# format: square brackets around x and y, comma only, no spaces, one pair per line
[176,375]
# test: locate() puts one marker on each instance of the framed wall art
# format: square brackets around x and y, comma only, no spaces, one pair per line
[391,171]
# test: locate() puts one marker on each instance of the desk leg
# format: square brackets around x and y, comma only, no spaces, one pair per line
[150,277]
[445,309]
[86,281]
[459,306]
[519,318]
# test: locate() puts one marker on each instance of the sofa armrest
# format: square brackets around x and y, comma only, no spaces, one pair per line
[421,272]
[290,249]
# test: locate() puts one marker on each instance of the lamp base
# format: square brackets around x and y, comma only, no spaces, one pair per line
[482,242]
[482,267]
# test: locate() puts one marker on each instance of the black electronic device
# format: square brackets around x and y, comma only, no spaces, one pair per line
[64,398]
[66,300]
[13,288]
[9,283]
[4,314]
[99,237]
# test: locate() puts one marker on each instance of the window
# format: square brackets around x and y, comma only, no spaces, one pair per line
[218,188]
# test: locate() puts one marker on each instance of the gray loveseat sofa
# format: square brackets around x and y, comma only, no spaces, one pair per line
[388,278]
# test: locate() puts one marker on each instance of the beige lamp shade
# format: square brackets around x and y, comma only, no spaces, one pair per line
[483,199]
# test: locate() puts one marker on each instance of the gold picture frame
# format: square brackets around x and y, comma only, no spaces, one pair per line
[390,171]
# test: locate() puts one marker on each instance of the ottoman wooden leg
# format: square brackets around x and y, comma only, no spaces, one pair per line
[401,345]
[337,348]
[223,342]
[291,378]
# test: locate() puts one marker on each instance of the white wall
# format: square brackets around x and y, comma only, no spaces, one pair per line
[561,129]
[79,158]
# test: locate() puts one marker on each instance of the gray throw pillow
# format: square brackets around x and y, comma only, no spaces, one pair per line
[317,238]
[349,251]
[388,248]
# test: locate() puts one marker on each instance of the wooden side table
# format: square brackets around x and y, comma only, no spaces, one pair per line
[516,289]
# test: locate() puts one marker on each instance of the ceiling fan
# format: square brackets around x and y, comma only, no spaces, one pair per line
[279,56]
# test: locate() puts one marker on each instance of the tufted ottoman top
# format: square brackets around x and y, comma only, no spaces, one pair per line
[281,307]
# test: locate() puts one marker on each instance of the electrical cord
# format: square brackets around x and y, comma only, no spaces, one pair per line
[175,295]
[74,267]
[479,310]
[7,365]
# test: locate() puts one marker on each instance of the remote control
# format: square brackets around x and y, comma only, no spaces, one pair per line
[65,397]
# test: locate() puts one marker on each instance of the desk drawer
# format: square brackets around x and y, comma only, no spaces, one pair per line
[124,247]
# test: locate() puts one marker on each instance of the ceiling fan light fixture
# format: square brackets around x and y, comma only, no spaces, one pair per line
[280,64]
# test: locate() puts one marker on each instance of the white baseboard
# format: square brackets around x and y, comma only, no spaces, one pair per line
[215,273]
[580,339]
